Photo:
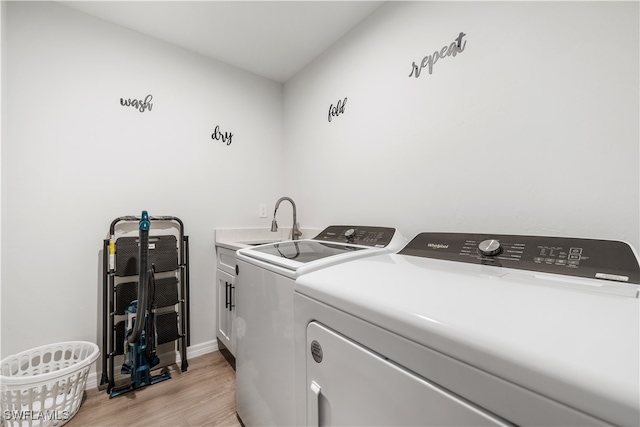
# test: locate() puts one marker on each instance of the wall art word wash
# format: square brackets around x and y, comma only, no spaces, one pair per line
[138,103]
[217,135]
[429,61]
[337,109]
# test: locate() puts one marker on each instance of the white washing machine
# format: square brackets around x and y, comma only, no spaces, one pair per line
[472,329]
[264,309]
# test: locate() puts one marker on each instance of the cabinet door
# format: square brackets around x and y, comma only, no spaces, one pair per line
[226,309]
[347,384]
[226,259]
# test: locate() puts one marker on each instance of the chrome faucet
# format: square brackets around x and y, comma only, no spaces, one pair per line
[295,231]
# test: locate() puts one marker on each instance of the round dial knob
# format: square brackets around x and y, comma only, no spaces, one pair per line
[350,233]
[489,247]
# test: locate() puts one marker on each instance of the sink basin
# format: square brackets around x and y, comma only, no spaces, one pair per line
[260,242]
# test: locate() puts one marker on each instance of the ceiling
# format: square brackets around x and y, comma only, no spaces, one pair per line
[273,39]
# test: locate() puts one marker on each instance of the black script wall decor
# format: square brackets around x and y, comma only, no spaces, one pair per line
[138,103]
[217,135]
[429,61]
[338,109]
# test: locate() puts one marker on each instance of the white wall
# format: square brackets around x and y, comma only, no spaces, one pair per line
[532,129]
[74,159]
[3,26]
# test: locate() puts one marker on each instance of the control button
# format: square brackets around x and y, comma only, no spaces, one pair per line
[489,247]
[575,251]
[574,256]
[350,233]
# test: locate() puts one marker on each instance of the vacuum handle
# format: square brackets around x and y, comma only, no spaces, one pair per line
[143,277]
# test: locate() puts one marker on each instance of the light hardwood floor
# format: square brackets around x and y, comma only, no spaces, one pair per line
[202,396]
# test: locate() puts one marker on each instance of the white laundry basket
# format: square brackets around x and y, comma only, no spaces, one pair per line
[44,386]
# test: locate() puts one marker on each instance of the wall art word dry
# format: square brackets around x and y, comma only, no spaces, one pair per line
[138,103]
[429,61]
[338,109]
[217,135]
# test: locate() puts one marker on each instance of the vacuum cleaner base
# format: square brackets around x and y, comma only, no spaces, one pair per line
[164,375]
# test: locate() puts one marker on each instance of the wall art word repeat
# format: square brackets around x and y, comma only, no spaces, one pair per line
[138,103]
[338,109]
[217,135]
[429,61]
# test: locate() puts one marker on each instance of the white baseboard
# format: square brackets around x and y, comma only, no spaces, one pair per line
[93,379]
[203,348]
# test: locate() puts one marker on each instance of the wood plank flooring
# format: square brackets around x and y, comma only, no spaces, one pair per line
[202,396]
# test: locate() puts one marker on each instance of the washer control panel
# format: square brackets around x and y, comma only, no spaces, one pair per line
[378,237]
[591,258]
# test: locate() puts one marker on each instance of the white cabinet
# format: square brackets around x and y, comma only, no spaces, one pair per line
[226,310]
[226,294]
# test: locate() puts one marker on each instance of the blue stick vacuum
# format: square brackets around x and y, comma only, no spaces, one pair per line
[140,353]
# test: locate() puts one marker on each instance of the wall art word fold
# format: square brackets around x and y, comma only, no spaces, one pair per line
[430,60]
[338,109]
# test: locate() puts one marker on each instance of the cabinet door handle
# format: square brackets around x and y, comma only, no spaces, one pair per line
[226,295]
[232,291]
[313,417]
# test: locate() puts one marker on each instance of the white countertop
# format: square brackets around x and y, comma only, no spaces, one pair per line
[238,238]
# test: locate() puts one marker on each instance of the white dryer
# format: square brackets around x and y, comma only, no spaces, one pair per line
[264,309]
[472,329]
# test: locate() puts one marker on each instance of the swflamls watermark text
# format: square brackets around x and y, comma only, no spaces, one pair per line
[35,415]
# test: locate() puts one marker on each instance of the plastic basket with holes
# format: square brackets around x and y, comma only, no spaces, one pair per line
[44,386]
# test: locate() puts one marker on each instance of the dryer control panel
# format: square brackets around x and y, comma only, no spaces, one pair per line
[378,237]
[590,258]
